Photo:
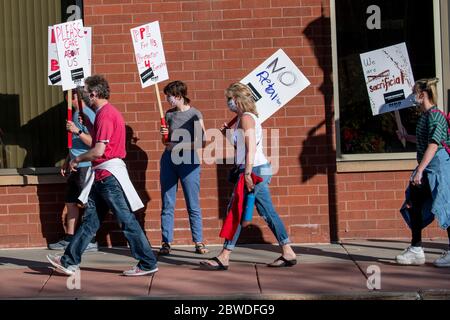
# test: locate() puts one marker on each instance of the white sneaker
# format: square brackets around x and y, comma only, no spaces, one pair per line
[136,271]
[443,261]
[55,260]
[411,256]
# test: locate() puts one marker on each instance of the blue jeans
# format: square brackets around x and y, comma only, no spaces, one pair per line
[264,206]
[108,194]
[189,175]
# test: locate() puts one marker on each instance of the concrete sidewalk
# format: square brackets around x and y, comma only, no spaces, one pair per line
[334,271]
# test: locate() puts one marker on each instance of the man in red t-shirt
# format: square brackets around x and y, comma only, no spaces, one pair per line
[107,151]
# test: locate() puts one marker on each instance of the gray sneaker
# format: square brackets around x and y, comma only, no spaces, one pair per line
[92,247]
[60,245]
[136,272]
[55,260]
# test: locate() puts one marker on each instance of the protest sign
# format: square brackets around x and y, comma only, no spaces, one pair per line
[274,83]
[54,74]
[72,53]
[149,54]
[150,59]
[389,78]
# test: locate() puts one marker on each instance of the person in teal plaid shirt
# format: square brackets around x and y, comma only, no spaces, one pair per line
[429,186]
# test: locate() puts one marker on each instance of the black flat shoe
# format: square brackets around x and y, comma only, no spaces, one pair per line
[285,263]
[220,265]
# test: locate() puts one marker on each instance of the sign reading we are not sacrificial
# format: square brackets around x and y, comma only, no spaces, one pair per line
[389,78]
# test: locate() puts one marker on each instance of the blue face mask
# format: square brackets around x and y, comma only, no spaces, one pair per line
[232,105]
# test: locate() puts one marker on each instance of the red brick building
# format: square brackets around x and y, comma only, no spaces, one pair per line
[321,193]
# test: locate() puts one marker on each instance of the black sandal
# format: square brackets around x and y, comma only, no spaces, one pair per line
[285,263]
[165,249]
[220,265]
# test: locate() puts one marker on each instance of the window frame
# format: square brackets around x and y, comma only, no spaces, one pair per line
[380,161]
[40,175]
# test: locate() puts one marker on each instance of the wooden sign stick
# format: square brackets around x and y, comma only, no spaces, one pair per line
[163,119]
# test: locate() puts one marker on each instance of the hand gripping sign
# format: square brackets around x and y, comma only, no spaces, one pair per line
[150,59]
[274,83]
[73,62]
[389,80]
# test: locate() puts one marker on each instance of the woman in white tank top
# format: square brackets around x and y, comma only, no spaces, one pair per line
[248,139]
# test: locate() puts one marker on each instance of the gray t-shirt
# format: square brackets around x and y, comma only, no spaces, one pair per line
[184,126]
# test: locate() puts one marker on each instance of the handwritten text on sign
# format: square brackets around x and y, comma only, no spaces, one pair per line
[72,53]
[54,74]
[149,53]
[389,78]
[274,83]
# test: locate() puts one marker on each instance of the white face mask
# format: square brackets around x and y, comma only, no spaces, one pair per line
[232,105]
[172,101]
[417,100]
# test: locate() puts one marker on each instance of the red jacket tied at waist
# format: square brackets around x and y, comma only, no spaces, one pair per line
[234,215]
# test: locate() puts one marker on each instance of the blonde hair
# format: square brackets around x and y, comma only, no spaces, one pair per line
[428,86]
[243,96]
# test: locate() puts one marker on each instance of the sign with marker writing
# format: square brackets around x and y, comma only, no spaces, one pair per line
[149,54]
[54,74]
[389,78]
[72,53]
[274,83]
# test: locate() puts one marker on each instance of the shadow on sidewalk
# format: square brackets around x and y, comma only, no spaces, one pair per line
[37,266]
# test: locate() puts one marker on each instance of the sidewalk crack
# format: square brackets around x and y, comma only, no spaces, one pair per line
[150,284]
[45,283]
[356,263]
[257,278]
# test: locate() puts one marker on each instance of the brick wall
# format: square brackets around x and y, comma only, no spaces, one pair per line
[209,44]
[369,207]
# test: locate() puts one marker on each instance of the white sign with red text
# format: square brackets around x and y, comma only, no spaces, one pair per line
[54,74]
[389,78]
[149,54]
[72,53]
[274,83]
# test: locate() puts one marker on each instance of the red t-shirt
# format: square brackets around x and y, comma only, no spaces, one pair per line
[109,127]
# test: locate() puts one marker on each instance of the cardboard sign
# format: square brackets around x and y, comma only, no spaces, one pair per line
[149,54]
[274,83]
[72,53]
[389,78]
[54,74]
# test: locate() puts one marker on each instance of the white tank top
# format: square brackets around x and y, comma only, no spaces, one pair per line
[239,142]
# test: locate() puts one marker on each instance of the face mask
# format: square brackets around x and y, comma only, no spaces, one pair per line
[417,101]
[232,105]
[86,99]
[172,101]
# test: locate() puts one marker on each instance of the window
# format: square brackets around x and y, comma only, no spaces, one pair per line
[32,113]
[361,135]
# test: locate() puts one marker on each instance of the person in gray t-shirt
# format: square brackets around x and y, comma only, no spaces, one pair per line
[179,162]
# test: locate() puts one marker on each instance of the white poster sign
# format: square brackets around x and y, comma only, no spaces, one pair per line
[389,78]
[274,83]
[54,74]
[72,53]
[149,54]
